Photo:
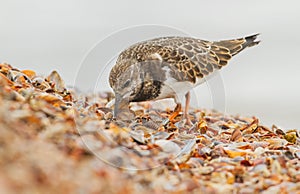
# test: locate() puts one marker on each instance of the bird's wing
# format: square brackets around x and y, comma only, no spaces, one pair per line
[189,58]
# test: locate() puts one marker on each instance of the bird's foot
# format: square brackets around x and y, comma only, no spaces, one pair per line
[186,118]
[188,121]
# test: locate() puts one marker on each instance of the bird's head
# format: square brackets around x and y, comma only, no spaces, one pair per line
[125,81]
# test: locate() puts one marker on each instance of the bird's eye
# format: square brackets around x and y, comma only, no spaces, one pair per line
[126,84]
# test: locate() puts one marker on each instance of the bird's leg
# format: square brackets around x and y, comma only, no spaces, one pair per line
[178,107]
[186,108]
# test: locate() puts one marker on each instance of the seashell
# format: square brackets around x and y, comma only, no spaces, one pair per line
[246,163]
[185,136]
[18,77]
[205,170]
[186,151]
[251,128]
[166,121]
[161,135]
[4,81]
[138,135]
[206,150]
[144,153]
[4,68]
[12,75]
[202,126]
[282,187]
[180,124]
[51,99]
[233,152]
[240,145]
[259,151]
[168,146]
[58,83]
[275,167]
[219,177]
[276,142]
[147,131]
[261,169]
[291,136]
[151,124]
[195,162]
[236,135]
[27,93]
[29,73]
[16,96]
[289,155]
[138,112]
[40,83]
[256,144]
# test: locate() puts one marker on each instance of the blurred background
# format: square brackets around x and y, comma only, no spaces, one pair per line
[261,81]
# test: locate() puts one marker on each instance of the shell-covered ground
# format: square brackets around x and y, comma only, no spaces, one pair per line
[57,140]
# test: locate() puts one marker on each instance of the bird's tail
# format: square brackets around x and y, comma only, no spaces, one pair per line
[237,45]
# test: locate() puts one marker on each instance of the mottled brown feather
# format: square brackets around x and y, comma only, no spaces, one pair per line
[187,58]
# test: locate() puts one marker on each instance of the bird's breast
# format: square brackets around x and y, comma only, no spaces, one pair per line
[149,90]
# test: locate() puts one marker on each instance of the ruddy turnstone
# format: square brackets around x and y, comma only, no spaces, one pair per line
[169,67]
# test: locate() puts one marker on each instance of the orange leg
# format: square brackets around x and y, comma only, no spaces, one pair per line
[186,108]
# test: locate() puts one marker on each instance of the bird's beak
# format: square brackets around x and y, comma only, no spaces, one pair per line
[121,104]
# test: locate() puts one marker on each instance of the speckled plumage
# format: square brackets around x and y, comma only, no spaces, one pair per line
[142,70]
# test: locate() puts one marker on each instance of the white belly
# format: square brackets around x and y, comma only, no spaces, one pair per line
[175,89]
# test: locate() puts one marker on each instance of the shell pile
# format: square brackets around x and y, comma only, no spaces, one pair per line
[57,140]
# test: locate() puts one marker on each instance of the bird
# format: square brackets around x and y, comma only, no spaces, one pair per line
[169,67]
